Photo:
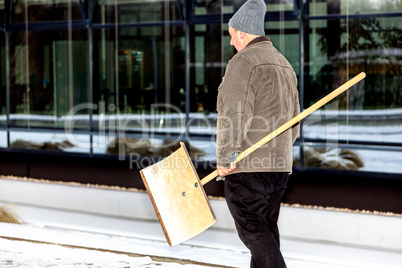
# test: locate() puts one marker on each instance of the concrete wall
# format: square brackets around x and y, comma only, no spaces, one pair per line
[362,229]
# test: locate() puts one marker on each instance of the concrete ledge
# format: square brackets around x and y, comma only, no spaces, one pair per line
[78,197]
[379,231]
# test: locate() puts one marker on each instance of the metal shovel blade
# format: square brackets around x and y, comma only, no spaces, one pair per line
[178,197]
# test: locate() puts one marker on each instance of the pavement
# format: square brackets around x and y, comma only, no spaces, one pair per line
[141,243]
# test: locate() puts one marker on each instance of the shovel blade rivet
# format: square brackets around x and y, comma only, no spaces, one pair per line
[184,193]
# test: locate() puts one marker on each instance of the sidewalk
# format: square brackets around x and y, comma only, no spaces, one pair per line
[131,241]
[66,224]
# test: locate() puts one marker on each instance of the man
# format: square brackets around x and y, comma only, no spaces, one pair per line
[257,95]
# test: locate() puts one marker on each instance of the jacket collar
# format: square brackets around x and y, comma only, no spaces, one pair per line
[258,40]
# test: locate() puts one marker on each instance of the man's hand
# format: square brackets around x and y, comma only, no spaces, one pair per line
[222,171]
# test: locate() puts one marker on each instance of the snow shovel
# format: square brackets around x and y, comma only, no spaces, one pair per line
[177,193]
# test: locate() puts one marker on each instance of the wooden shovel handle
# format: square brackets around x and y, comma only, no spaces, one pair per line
[291,122]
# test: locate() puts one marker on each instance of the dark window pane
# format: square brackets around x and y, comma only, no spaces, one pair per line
[45,10]
[352,7]
[138,68]
[214,7]
[337,50]
[48,76]
[2,12]
[3,111]
[135,11]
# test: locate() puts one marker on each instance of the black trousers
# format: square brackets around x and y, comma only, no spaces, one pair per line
[254,202]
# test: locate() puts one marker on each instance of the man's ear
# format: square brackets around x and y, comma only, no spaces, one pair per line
[242,35]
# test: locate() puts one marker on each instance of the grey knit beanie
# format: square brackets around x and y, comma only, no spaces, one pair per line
[250,17]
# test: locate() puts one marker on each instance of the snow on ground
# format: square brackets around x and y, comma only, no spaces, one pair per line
[17,252]
[59,238]
[78,226]
[29,254]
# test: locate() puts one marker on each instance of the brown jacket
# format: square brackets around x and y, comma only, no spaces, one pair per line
[257,95]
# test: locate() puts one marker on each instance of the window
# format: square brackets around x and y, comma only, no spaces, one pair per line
[120,77]
[48,76]
[45,11]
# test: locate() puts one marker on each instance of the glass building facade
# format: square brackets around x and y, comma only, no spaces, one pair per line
[130,78]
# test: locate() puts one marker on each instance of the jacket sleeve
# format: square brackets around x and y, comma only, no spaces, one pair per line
[235,110]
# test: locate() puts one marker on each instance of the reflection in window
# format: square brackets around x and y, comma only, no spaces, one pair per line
[139,80]
[135,11]
[45,11]
[229,6]
[146,78]
[351,7]
[49,141]
[369,112]
[339,49]
[3,108]
[48,76]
